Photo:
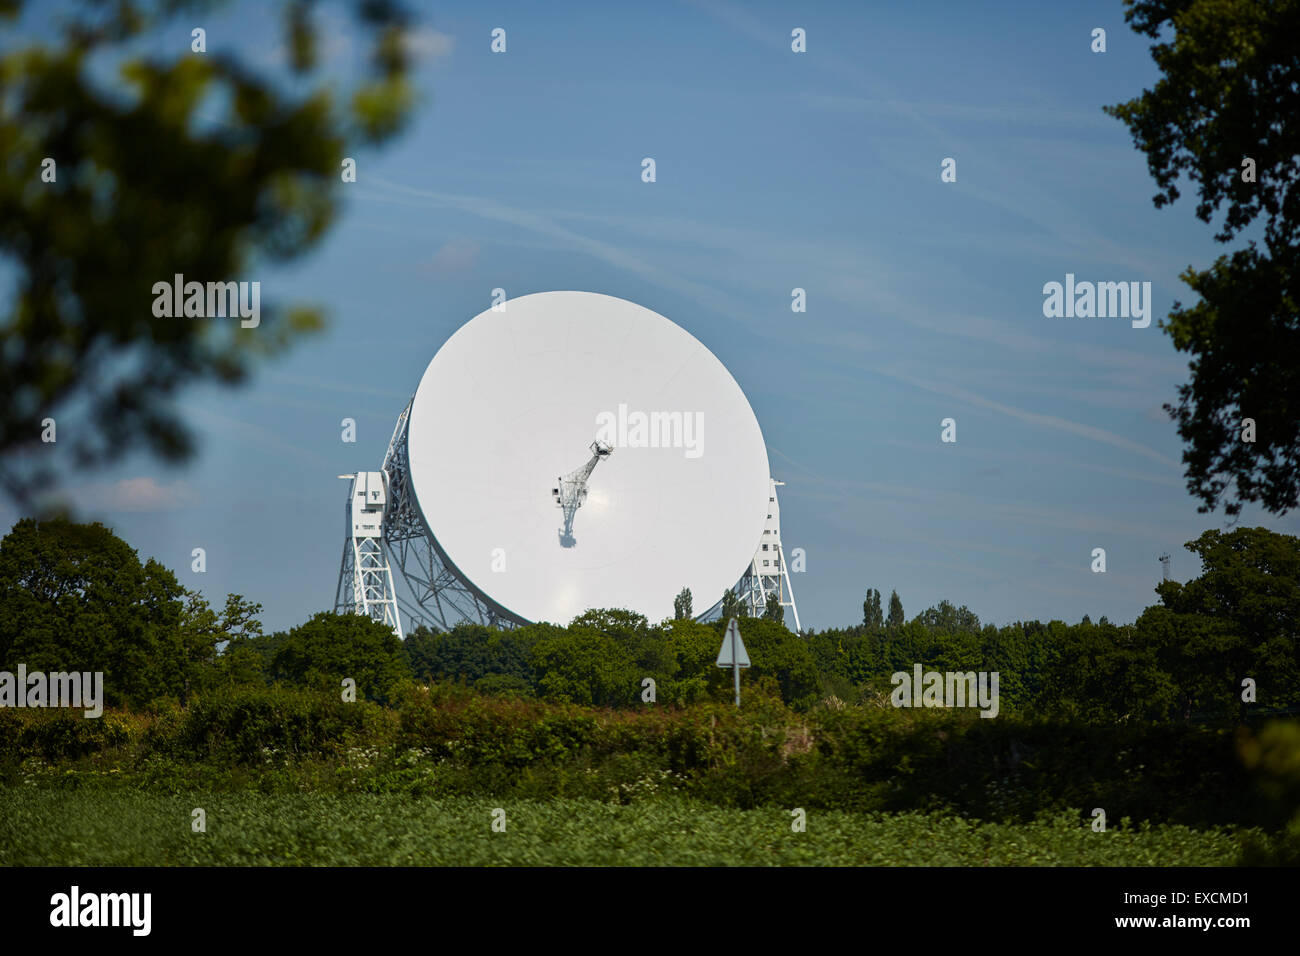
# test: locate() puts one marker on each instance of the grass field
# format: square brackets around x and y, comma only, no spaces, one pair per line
[40,826]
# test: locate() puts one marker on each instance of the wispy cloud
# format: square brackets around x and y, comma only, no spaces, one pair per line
[256,434]
[496,211]
[455,256]
[1028,201]
[1036,418]
[427,44]
[965,505]
[1009,113]
[140,494]
[851,274]
[332,386]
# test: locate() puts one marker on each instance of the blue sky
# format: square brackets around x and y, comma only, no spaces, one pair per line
[775,170]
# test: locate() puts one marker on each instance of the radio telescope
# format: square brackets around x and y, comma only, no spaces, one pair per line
[564,451]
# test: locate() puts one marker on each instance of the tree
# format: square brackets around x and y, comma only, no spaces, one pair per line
[1250,576]
[75,597]
[461,652]
[873,618]
[645,646]
[471,652]
[695,647]
[220,649]
[732,606]
[943,618]
[583,666]
[331,647]
[1239,619]
[896,617]
[774,611]
[239,621]
[240,642]
[147,185]
[200,633]
[1205,659]
[1103,678]
[786,657]
[682,605]
[422,646]
[1223,115]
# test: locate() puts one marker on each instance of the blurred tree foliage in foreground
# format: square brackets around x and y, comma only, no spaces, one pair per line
[183,162]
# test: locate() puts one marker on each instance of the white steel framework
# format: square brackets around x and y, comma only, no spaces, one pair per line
[434,595]
[365,576]
[768,573]
[387,531]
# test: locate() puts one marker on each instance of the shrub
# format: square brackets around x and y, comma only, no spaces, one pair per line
[331,647]
[254,725]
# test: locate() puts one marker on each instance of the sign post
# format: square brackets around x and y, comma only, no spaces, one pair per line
[732,653]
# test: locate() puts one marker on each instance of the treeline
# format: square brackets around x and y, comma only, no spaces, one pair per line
[1214,650]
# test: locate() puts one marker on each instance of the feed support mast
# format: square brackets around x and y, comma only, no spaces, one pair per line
[768,573]
[365,576]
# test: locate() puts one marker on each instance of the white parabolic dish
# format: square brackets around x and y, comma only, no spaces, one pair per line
[513,401]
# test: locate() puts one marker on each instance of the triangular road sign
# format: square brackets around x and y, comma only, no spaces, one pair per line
[725,657]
